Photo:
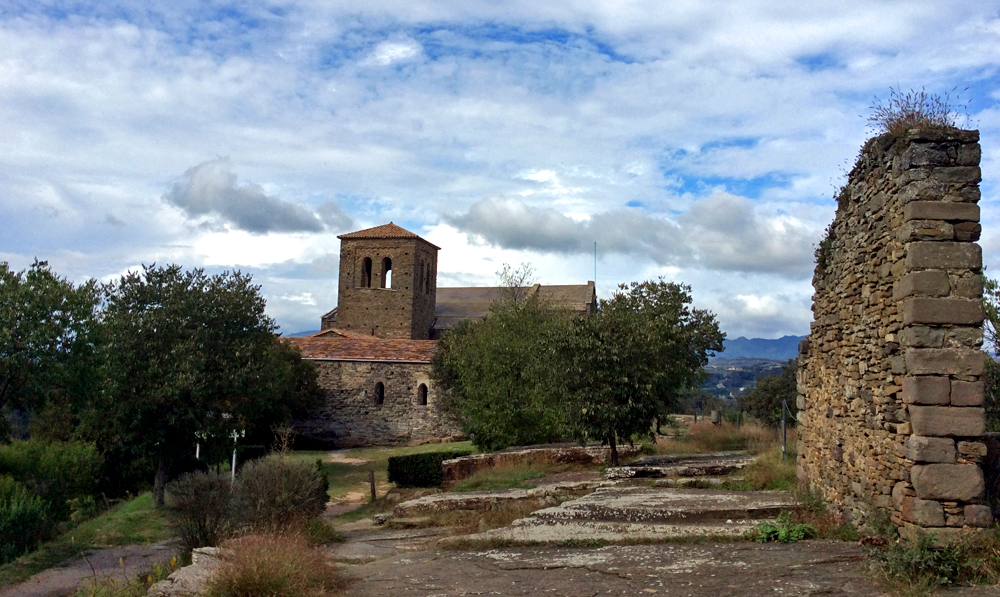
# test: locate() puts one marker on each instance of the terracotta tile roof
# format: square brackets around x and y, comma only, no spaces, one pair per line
[336,333]
[389,230]
[338,348]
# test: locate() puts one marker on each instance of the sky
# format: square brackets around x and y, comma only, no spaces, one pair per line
[698,141]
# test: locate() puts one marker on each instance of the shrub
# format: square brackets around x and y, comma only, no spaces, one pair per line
[274,565]
[200,506]
[783,530]
[914,109]
[420,470]
[918,567]
[274,493]
[57,471]
[24,520]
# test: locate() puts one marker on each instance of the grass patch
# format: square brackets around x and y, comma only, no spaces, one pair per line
[347,478]
[514,476]
[918,568]
[727,437]
[274,565]
[136,585]
[133,522]
[767,471]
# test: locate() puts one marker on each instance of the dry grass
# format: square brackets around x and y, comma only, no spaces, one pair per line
[706,437]
[277,566]
[915,109]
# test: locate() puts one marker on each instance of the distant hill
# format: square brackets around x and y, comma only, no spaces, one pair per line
[301,334]
[781,349]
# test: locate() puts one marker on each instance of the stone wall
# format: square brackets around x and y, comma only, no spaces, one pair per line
[890,395]
[349,415]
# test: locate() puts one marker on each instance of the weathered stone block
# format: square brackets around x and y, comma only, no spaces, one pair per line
[930,449]
[967,286]
[972,450]
[978,515]
[967,393]
[947,421]
[949,482]
[926,513]
[943,255]
[967,231]
[942,311]
[969,154]
[922,337]
[941,210]
[944,361]
[957,174]
[927,389]
[925,283]
[936,230]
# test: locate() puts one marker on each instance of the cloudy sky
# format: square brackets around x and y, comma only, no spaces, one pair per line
[700,141]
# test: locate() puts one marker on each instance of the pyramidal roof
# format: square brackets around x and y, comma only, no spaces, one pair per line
[389,230]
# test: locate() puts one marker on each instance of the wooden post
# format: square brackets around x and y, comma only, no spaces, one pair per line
[371,481]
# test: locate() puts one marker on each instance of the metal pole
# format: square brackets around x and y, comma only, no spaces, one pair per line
[784,431]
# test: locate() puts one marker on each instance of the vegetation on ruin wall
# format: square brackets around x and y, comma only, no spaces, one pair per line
[143,368]
[527,373]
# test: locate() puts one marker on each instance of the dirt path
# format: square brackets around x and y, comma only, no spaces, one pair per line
[729,569]
[118,562]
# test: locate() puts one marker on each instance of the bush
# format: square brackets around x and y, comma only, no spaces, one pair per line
[274,493]
[24,520]
[57,472]
[200,506]
[420,470]
[783,530]
[274,565]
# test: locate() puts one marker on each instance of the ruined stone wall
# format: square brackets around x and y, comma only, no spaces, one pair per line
[349,415]
[890,393]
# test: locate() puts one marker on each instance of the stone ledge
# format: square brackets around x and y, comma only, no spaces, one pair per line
[941,210]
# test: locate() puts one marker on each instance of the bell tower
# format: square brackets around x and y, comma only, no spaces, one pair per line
[388,283]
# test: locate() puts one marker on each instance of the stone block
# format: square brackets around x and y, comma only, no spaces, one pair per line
[972,450]
[926,513]
[978,515]
[938,135]
[945,361]
[947,421]
[922,337]
[957,174]
[969,154]
[948,482]
[967,231]
[930,449]
[941,210]
[967,286]
[942,311]
[925,283]
[927,389]
[967,393]
[943,255]
[936,230]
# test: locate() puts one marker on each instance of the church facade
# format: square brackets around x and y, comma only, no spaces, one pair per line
[373,353]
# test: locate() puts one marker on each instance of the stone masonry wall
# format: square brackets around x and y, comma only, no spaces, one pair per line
[349,417]
[890,395]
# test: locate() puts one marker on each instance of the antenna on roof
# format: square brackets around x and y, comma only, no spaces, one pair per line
[595,266]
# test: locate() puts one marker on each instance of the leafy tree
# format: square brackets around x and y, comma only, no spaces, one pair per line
[502,376]
[187,357]
[991,375]
[763,401]
[643,346]
[47,340]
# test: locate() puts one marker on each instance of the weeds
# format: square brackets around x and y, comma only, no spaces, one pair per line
[783,530]
[274,565]
[916,109]
[919,568]
[768,471]
[125,585]
[708,437]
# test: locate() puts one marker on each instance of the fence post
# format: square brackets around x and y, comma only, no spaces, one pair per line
[784,430]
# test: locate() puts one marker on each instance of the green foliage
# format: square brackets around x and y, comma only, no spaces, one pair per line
[783,530]
[919,567]
[57,472]
[902,112]
[502,376]
[642,348]
[506,477]
[763,401]
[190,357]
[272,494]
[823,252]
[47,339]
[199,504]
[24,519]
[420,470]
[991,375]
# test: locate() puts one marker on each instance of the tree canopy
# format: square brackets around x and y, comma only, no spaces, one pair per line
[763,401]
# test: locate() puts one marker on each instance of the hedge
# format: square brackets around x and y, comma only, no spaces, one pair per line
[57,471]
[420,470]
[24,520]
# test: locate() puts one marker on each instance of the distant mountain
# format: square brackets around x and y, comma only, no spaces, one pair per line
[301,334]
[781,349]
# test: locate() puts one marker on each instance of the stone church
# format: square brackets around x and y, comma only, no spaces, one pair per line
[374,349]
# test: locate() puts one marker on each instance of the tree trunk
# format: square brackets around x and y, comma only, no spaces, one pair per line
[614,449]
[160,483]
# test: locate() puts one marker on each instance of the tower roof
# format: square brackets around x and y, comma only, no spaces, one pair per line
[389,230]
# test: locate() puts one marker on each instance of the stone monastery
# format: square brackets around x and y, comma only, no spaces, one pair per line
[374,349]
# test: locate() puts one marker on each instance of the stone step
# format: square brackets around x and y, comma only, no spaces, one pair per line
[669,506]
[706,468]
[696,482]
[494,500]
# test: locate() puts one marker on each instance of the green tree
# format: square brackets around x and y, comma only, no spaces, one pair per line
[502,376]
[991,375]
[643,346]
[763,401]
[47,340]
[189,356]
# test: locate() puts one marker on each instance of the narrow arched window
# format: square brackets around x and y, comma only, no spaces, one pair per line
[366,273]
[379,394]
[422,395]
[386,273]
